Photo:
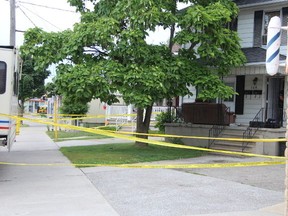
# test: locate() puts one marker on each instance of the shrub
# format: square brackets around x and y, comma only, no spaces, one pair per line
[165,117]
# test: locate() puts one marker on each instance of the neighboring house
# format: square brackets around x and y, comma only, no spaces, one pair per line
[32,105]
[118,113]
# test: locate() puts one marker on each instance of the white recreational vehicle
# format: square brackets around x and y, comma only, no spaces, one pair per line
[9,79]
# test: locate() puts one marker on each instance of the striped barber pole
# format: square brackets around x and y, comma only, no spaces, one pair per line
[273,45]
[4,125]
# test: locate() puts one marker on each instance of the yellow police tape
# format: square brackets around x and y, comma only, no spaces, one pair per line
[81,116]
[204,138]
[155,142]
[159,166]
[281,160]
[162,135]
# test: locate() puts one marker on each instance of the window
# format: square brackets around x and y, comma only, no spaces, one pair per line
[16,83]
[3,76]
[267,17]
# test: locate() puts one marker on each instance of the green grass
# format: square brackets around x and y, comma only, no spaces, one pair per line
[125,154]
[24,125]
[65,135]
[155,132]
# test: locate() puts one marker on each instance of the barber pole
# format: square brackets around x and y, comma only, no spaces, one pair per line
[273,45]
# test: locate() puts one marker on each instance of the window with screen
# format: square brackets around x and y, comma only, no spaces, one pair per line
[3,76]
[267,18]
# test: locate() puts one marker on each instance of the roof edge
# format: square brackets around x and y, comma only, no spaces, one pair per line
[261,3]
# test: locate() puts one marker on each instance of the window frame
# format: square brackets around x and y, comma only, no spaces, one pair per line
[265,24]
[3,84]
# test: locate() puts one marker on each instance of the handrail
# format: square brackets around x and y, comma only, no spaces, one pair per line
[120,122]
[214,131]
[250,132]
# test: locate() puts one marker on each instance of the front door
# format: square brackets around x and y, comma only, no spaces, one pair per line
[274,100]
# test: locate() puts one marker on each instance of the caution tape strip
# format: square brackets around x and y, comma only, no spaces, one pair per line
[168,135]
[154,142]
[204,138]
[159,166]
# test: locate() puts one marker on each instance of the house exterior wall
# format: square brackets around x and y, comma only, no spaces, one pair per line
[253,101]
[245,28]
[95,108]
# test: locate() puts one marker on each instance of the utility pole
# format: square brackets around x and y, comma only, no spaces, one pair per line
[12,23]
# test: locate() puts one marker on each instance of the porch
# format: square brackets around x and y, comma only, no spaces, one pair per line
[230,131]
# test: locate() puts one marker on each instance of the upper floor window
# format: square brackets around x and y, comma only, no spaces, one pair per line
[267,18]
[3,75]
[261,21]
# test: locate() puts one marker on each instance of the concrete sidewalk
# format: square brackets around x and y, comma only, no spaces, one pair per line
[45,190]
[68,191]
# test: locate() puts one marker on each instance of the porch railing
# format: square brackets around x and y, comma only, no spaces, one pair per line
[121,111]
[116,112]
[216,130]
[251,131]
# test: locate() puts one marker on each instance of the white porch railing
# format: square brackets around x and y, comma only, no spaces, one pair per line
[115,112]
[124,112]
[156,110]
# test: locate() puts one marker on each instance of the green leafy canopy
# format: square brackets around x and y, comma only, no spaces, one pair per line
[107,51]
[32,81]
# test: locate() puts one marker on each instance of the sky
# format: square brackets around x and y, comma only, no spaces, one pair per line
[29,15]
[50,15]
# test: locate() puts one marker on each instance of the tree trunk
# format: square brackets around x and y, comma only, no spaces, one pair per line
[143,123]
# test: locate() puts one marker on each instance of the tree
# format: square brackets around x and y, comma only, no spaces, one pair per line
[67,106]
[32,81]
[107,52]
[51,89]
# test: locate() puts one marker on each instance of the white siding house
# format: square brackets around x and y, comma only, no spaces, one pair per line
[258,106]
[264,92]
[256,89]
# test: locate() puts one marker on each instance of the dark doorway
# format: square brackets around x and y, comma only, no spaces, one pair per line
[274,101]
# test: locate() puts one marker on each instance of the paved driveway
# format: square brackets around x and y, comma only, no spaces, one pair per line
[164,192]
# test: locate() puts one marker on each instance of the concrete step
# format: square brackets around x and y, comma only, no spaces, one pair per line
[229,143]
[231,148]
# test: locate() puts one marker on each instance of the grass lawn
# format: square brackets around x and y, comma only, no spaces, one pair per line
[65,135]
[24,125]
[125,153]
